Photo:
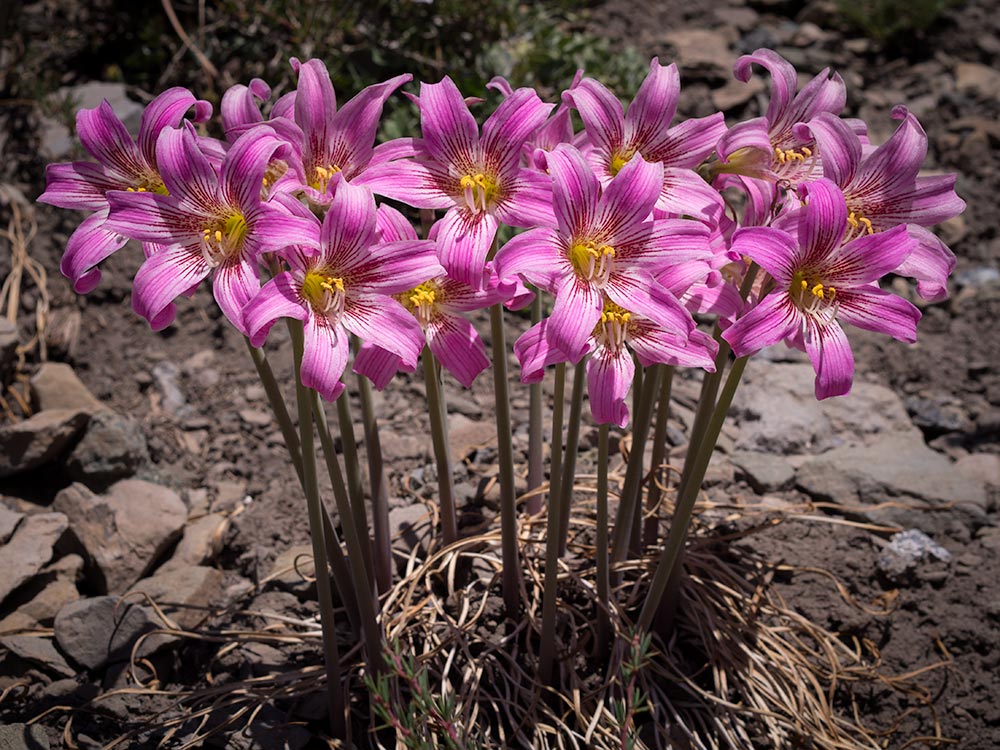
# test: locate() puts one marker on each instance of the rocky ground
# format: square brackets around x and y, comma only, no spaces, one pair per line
[148,465]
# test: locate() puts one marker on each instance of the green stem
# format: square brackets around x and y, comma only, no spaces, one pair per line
[511,581]
[535,468]
[603,568]
[439,435]
[555,542]
[633,474]
[352,468]
[331,655]
[651,531]
[556,451]
[356,546]
[566,484]
[672,553]
[379,491]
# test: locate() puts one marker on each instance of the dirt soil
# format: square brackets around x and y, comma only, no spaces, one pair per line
[221,438]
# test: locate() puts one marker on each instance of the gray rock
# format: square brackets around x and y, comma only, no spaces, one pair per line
[29,549]
[765,472]
[9,519]
[102,630]
[8,348]
[289,568]
[56,386]
[935,415]
[39,440]
[410,524]
[256,417]
[201,542]
[975,78]
[57,138]
[126,531]
[23,737]
[44,604]
[167,375]
[112,447]
[39,651]
[897,465]
[702,53]
[186,595]
[466,435]
[906,551]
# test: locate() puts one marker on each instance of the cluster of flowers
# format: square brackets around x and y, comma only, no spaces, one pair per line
[629,223]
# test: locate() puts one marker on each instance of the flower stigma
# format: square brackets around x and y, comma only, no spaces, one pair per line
[613,326]
[813,298]
[325,293]
[479,191]
[591,261]
[224,238]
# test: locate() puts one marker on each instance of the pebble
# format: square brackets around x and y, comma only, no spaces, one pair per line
[112,447]
[38,440]
[101,630]
[906,551]
[39,651]
[23,737]
[56,386]
[29,549]
[185,594]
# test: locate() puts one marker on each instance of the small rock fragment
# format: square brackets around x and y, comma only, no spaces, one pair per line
[112,447]
[29,549]
[764,471]
[56,386]
[9,519]
[38,440]
[186,594]
[39,651]
[906,551]
[23,737]
[102,630]
[289,568]
[201,542]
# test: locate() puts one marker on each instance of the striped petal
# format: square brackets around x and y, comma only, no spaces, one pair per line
[108,140]
[382,321]
[876,310]
[655,103]
[79,185]
[575,190]
[831,356]
[91,243]
[602,114]
[166,111]
[235,283]
[458,347]
[278,298]
[773,319]
[324,356]
[164,277]
[463,243]
[450,132]
[609,378]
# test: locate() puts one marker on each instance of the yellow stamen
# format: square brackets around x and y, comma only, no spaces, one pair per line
[421,301]
[324,292]
[591,261]
[224,238]
[612,329]
[479,191]
[322,176]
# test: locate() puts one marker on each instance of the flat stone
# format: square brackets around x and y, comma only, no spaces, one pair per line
[125,531]
[396,445]
[53,596]
[735,93]
[39,651]
[112,447]
[102,630]
[56,386]
[897,465]
[410,524]
[184,594]
[9,519]
[975,78]
[23,737]
[201,542]
[764,471]
[29,549]
[39,440]
[466,435]
[701,53]
[229,494]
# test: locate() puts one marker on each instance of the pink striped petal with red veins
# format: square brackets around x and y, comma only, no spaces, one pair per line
[721,299]
[450,132]
[677,279]
[685,193]
[353,127]
[279,298]
[867,259]
[654,245]
[929,201]
[166,111]
[107,140]
[398,148]
[348,229]
[825,92]
[538,255]
[517,118]
[274,230]
[641,295]
[773,319]
[187,173]
[79,185]
[382,321]
[821,229]
[535,353]
[653,345]
[609,377]
[395,267]
[892,167]
[601,112]
[876,310]
[688,143]
[930,263]
[527,201]
[455,343]
[575,190]
[783,78]
[629,198]
[832,358]
[576,311]
[91,243]
[165,276]
[378,365]
[240,106]
[245,165]
[772,249]
[459,297]
[655,103]
[235,283]
[463,243]
[839,147]
[150,217]
[324,357]
[315,105]
[410,182]
[750,134]
[392,225]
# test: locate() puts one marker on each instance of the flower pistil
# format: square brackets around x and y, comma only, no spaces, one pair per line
[224,238]
[324,293]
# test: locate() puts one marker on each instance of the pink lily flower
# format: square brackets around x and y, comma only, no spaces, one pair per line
[211,223]
[883,189]
[645,129]
[610,369]
[604,246]
[345,289]
[820,280]
[123,163]
[478,180]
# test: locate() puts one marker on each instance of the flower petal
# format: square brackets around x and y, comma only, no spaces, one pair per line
[527,201]
[831,356]
[653,107]
[575,190]
[378,365]
[537,254]
[876,310]
[609,378]
[653,345]
[773,319]
[602,114]
[775,251]
[382,321]
[629,198]
[166,111]
[839,148]
[324,356]
[240,107]
[641,295]
[187,173]
[80,185]
[506,130]
[867,258]
[689,143]
[315,105]
[245,165]
[576,311]
[165,276]
[930,263]
[278,298]
[822,227]
[458,347]
[352,129]
[91,243]
[407,181]
[108,140]
[395,267]
[535,352]
[235,283]
[685,193]
[463,243]
[450,132]
[348,229]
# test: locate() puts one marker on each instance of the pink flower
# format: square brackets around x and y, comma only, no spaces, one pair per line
[344,289]
[818,281]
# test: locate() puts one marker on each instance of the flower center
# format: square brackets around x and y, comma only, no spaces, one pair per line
[276,169]
[611,330]
[592,261]
[150,184]
[479,191]
[619,159]
[857,226]
[322,176]
[421,301]
[813,298]
[795,164]
[224,238]
[324,292]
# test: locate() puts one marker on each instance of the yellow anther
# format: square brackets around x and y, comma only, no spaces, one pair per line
[807,152]
[323,292]
[591,261]
[817,290]
[805,284]
[218,235]
[860,224]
